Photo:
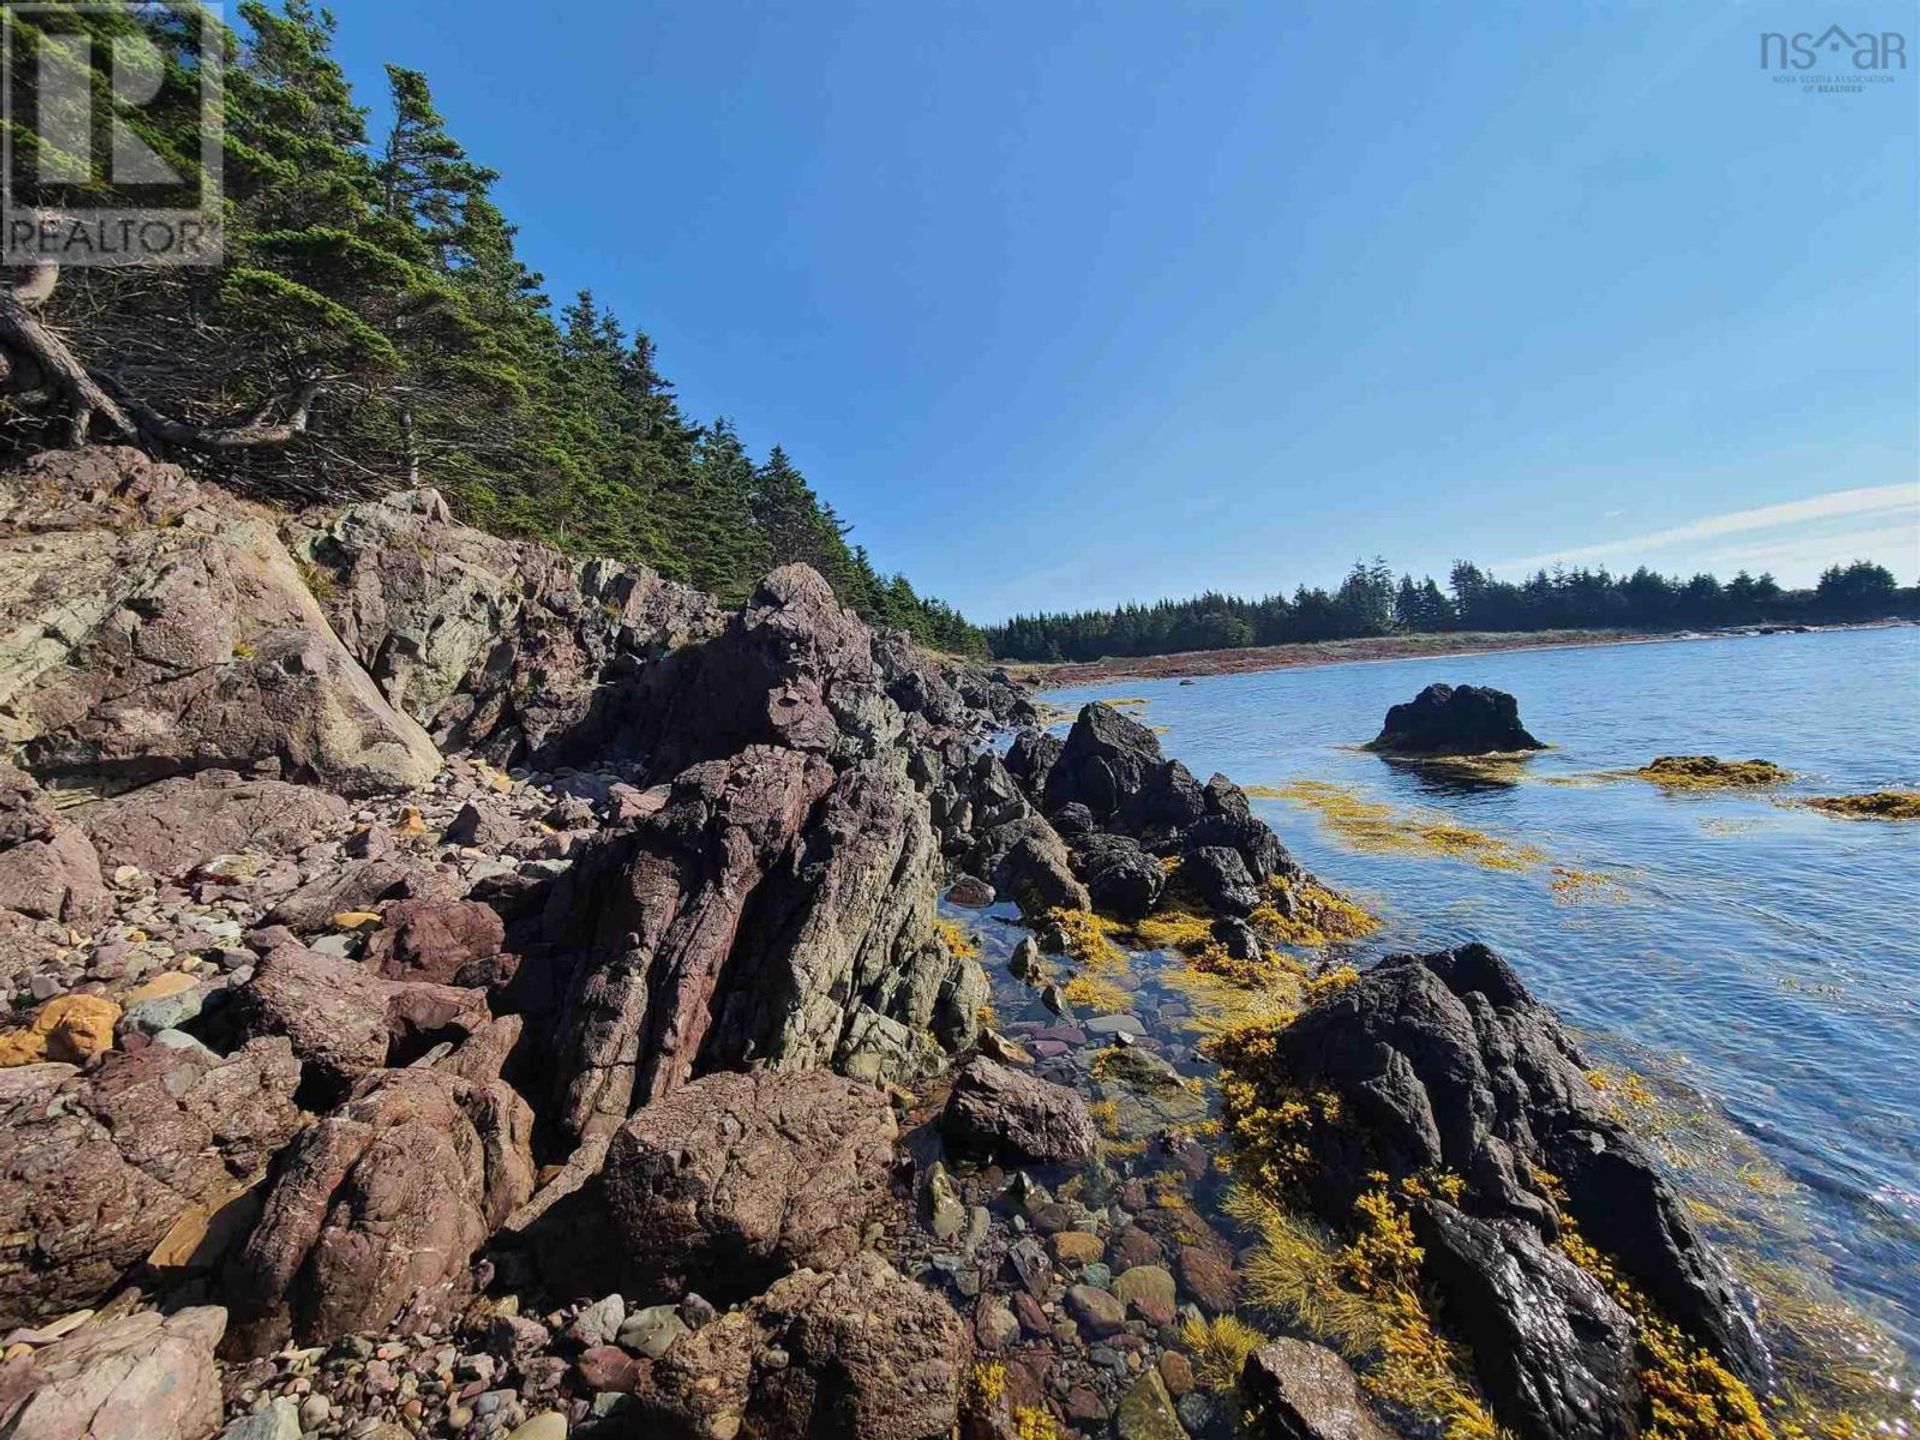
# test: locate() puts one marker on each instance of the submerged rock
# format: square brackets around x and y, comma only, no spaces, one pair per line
[1709,772]
[1455,720]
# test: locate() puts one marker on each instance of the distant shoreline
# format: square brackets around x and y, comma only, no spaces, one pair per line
[1195,664]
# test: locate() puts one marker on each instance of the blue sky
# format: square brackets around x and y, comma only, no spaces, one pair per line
[1070,303]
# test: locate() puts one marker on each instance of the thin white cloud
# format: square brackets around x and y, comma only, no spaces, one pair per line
[1882,500]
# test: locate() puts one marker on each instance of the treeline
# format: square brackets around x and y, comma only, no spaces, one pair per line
[373,328]
[1372,600]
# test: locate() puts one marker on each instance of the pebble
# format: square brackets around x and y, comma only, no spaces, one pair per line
[315,1411]
[653,1330]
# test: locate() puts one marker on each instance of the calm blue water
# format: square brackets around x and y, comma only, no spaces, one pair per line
[1763,961]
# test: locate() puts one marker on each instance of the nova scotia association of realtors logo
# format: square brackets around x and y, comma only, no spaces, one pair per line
[1834,61]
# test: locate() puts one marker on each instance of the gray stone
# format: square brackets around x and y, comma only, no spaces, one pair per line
[653,1330]
[280,1420]
[599,1322]
[1114,1025]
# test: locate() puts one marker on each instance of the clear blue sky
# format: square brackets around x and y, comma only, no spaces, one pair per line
[1068,304]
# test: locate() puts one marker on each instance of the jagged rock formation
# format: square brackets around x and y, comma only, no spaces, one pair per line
[382,1201]
[774,906]
[496,647]
[95,1168]
[49,875]
[1444,1064]
[1455,720]
[1087,822]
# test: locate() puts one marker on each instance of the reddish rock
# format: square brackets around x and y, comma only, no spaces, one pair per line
[1299,1391]
[1084,1406]
[734,1180]
[386,1198]
[431,940]
[346,1021]
[142,1376]
[1208,1279]
[1176,1373]
[95,1169]
[608,1367]
[1032,1318]
[997,1110]
[171,827]
[48,871]
[1134,1246]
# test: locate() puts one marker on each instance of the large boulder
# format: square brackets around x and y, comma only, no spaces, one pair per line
[1104,764]
[770,903]
[95,1169]
[154,628]
[496,645]
[1455,720]
[733,1180]
[143,1376]
[1443,1063]
[381,1204]
[172,827]
[1553,1349]
[1121,877]
[1035,870]
[858,1354]
[345,1019]
[997,1110]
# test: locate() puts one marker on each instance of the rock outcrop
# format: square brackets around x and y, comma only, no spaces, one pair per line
[136,1377]
[1444,1064]
[776,899]
[154,627]
[96,1168]
[861,1354]
[497,647]
[732,1181]
[1455,720]
[380,1203]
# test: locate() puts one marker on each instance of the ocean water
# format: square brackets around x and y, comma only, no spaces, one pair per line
[1756,963]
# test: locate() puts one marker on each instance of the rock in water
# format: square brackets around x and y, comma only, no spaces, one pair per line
[1450,720]
[1298,1391]
[138,1377]
[734,1180]
[997,1110]
[1443,1063]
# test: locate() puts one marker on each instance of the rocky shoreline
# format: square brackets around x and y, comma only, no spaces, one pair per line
[455,990]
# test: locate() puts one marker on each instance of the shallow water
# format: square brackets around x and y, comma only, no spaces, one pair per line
[1760,963]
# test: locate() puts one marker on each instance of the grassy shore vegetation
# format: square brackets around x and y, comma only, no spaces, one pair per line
[374,328]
